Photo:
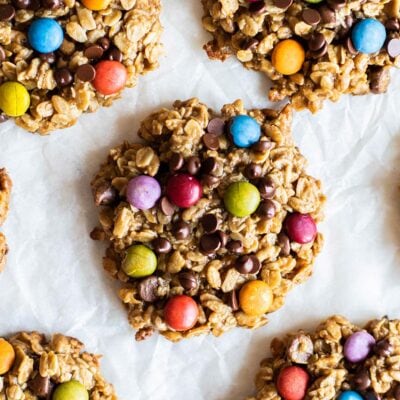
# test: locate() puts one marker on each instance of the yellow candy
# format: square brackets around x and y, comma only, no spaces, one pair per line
[288,57]
[96,5]
[255,298]
[7,356]
[14,99]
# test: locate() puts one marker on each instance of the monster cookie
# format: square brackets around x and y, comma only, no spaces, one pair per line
[338,361]
[34,367]
[5,194]
[61,58]
[211,221]
[312,50]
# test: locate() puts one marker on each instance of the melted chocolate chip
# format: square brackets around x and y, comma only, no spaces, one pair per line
[115,55]
[210,223]
[253,171]
[235,247]
[94,52]
[22,4]
[361,380]
[267,188]
[161,245]
[63,77]
[7,12]
[267,209]
[188,280]
[166,206]
[392,24]
[257,7]
[383,348]
[283,4]
[316,41]
[181,230]
[233,300]
[349,46]
[193,165]
[216,126]
[321,52]
[261,146]
[328,16]
[86,73]
[284,244]
[52,4]
[209,166]
[248,264]
[148,289]
[104,43]
[209,180]
[311,16]
[336,4]
[210,243]
[223,237]
[211,141]
[176,162]
[105,194]
[48,57]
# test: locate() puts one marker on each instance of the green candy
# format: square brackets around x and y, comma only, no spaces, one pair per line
[72,390]
[241,199]
[140,261]
[314,1]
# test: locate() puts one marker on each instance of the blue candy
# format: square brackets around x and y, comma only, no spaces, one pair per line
[368,36]
[350,395]
[245,131]
[45,35]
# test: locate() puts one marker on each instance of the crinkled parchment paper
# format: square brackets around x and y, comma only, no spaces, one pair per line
[54,280]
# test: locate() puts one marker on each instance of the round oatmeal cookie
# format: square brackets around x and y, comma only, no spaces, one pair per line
[61,58]
[337,361]
[35,367]
[211,221]
[5,194]
[312,50]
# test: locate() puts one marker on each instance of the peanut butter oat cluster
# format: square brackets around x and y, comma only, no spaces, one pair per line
[210,222]
[337,361]
[33,367]
[5,194]
[61,58]
[312,50]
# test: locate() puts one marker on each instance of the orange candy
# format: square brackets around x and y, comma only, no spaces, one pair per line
[111,77]
[288,57]
[96,5]
[255,298]
[7,356]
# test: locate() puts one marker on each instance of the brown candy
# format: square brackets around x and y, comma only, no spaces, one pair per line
[393,47]
[210,223]
[161,245]
[181,230]
[210,243]
[248,264]
[257,7]
[235,247]
[283,4]
[284,244]
[105,194]
[223,237]
[253,171]
[267,209]
[166,206]
[104,43]
[209,166]
[148,289]
[40,386]
[392,24]
[321,52]
[52,4]
[216,126]
[316,41]
[86,73]
[349,46]
[188,280]
[7,12]
[176,162]
[233,300]
[94,52]
[115,55]
[267,188]
[383,348]
[48,57]
[63,77]
[361,380]
[193,165]
[211,141]
[300,349]
[328,16]
[311,16]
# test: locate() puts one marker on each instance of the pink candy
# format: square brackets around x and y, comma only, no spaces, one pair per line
[143,192]
[301,228]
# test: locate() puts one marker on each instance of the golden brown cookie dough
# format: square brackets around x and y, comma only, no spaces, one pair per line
[5,194]
[332,67]
[203,252]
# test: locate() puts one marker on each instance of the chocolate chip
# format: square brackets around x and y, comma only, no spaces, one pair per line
[193,165]
[2,54]
[52,4]
[176,162]
[267,188]
[3,118]
[233,300]
[362,380]
[257,7]
[115,55]
[349,46]
[209,166]
[210,243]
[40,386]
[393,47]
[283,4]
[94,52]
[396,392]
[7,12]
[181,230]
[249,43]
[216,126]
[392,24]
[161,245]
[316,41]
[248,264]
[321,52]
[188,280]
[34,5]
[22,4]
[267,209]
[253,171]
[104,43]
[209,223]
[48,57]
[284,244]
[211,141]
[311,16]
[383,348]
[328,16]
[371,395]
[223,237]
[166,206]
[235,247]
[148,289]
[86,73]
[209,180]
[336,4]
[261,146]
[105,194]
[379,79]
[63,77]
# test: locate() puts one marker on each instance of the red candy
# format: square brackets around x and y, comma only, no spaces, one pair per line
[111,77]
[292,383]
[184,190]
[301,228]
[181,313]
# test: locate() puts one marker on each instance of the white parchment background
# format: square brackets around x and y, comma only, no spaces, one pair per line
[54,280]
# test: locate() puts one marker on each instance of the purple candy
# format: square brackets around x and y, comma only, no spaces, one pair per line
[358,346]
[143,192]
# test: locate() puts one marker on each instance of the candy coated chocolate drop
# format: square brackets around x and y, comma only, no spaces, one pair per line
[72,390]
[45,35]
[350,395]
[292,383]
[184,190]
[7,356]
[358,346]
[288,57]
[368,36]
[245,130]
[241,199]
[301,228]
[140,261]
[96,5]
[111,77]
[181,313]
[143,192]
[255,298]
[14,99]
